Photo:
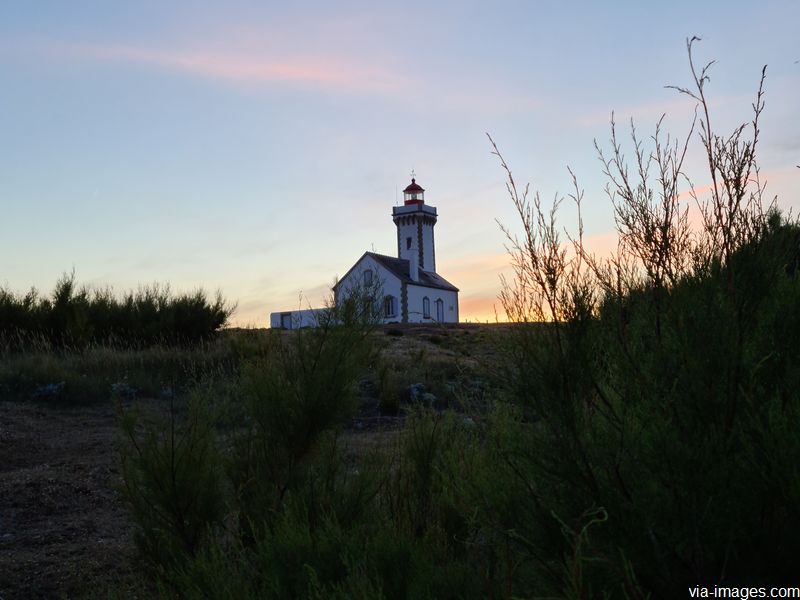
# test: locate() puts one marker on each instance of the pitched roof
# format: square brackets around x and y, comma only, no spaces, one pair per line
[399,267]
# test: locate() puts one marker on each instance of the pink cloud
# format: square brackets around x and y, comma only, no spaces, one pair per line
[248,57]
[254,68]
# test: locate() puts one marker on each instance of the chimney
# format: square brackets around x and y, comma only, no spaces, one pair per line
[413,267]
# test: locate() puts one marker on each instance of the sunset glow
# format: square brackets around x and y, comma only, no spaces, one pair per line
[260,150]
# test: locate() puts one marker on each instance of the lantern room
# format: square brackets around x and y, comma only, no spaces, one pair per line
[414,193]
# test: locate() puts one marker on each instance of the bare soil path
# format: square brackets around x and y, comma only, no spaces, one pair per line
[64,533]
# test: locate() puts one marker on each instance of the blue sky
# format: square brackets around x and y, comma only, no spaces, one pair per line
[258,147]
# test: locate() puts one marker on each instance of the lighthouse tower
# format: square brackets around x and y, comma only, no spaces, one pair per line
[415,221]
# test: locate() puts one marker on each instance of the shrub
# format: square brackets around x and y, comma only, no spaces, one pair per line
[388,389]
[172,483]
[302,386]
[283,468]
[78,317]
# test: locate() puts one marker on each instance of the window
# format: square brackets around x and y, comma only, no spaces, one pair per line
[440,310]
[426,308]
[368,277]
[388,306]
[408,243]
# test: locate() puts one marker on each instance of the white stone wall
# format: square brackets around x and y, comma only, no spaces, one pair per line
[388,284]
[415,304]
[410,221]
[427,248]
[296,319]
[405,231]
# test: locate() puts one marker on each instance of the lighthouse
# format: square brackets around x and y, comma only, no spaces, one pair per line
[415,221]
[405,289]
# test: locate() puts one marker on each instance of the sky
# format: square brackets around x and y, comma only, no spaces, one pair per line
[257,148]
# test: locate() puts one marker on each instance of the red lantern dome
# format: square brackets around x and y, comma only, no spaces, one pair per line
[414,193]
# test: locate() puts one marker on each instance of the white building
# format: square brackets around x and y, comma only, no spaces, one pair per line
[412,291]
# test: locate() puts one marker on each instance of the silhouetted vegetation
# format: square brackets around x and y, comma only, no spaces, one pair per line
[76,317]
[654,424]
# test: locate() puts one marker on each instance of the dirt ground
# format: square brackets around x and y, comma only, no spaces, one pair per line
[64,532]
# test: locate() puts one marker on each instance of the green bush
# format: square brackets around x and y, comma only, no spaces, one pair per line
[388,389]
[172,483]
[282,460]
[78,317]
[302,386]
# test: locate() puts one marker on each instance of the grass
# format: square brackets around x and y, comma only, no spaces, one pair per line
[97,372]
[458,359]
